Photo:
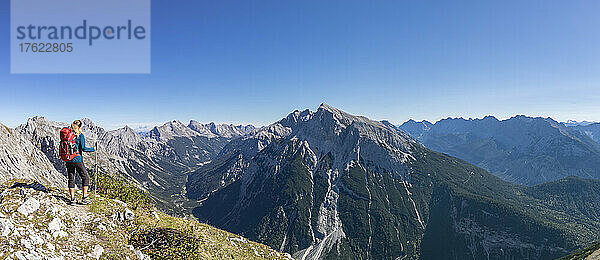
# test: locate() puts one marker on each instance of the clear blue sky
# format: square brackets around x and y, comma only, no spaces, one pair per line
[256,61]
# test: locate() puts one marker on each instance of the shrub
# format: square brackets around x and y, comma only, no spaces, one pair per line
[116,187]
[166,243]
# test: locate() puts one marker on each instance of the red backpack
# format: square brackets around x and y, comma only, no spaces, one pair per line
[68,146]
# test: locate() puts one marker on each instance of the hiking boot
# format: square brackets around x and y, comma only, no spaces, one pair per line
[70,201]
[85,201]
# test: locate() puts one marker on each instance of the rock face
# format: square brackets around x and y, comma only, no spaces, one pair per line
[330,185]
[42,133]
[20,159]
[521,149]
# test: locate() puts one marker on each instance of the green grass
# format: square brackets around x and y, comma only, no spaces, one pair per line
[114,187]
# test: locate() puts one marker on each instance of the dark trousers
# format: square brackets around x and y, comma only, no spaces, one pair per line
[71,167]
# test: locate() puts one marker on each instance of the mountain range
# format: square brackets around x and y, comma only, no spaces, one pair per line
[158,162]
[521,149]
[572,123]
[325,184]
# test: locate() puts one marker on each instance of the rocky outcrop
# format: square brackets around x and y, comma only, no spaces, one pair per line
[38,225]
[20,159]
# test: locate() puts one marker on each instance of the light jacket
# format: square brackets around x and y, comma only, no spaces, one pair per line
[81,147]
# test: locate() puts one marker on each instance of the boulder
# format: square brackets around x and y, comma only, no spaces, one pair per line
[97,252]
[141,255]
[22,255]
[29,206]
[128,214]
[60,234]
[5,227]
[55,225]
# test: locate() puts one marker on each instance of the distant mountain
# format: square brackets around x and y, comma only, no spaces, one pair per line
[330,185]
[223,130]
[159,162]
[194,128]
[521,149]
[591,130]
[171,130]
[417,129]
[190,147]
[571,123]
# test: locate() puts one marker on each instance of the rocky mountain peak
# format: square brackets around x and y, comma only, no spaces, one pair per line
[171,129]
[490,117]
[552,150]
[126,132]
[340,117]
[325,106]
[574,123]
[39,123]
[335,121]
[128,129]
[230,130]
[297,116]
[201,128]
[330,130]
[221,130]
[416,128]
[37,120]
[88,122]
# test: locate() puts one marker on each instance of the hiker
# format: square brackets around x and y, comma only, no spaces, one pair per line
[72,146]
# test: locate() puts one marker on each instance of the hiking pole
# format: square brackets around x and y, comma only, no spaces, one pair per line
[96,170]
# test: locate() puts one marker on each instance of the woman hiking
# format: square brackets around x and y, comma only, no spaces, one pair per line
[72,146]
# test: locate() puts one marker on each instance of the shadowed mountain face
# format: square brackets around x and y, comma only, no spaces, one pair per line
[521,149]
[330,185]
[592,130]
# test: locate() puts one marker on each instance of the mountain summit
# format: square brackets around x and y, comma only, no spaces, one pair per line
[327,184]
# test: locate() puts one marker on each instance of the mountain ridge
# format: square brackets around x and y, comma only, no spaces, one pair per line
[327,185]
[521,149]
